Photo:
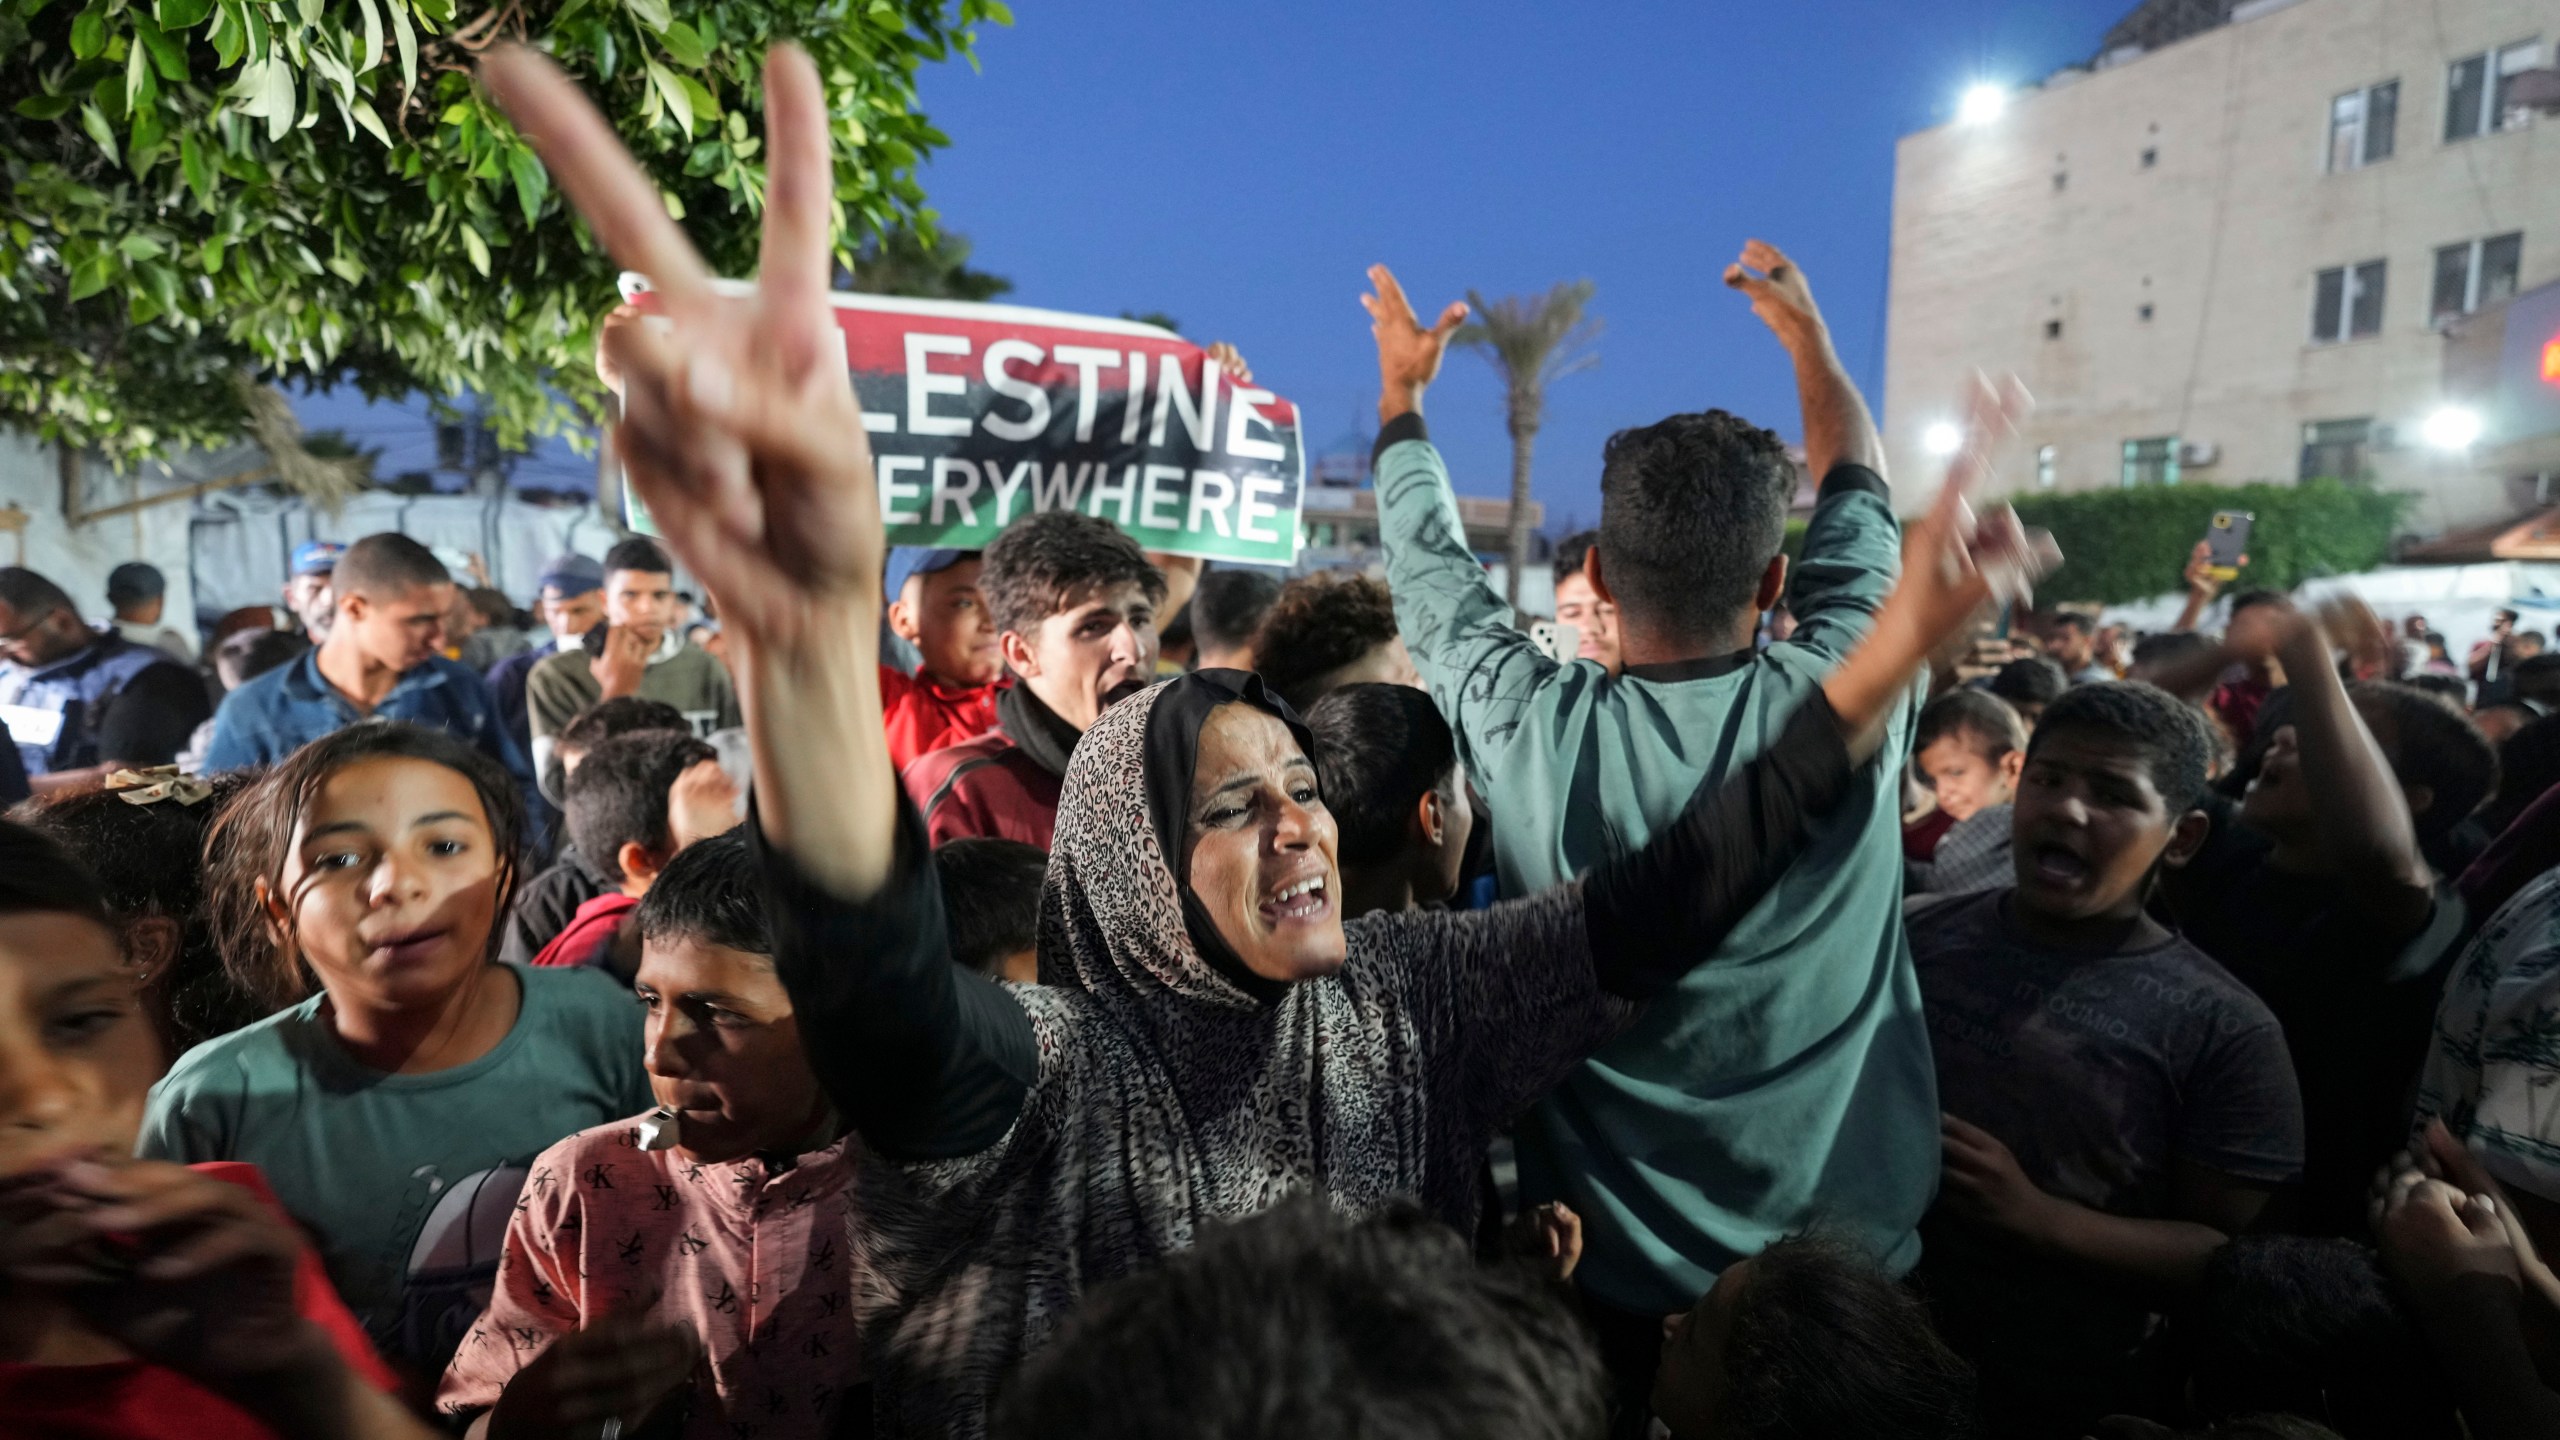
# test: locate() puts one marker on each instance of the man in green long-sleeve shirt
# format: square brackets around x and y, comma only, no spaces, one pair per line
[1786,1085]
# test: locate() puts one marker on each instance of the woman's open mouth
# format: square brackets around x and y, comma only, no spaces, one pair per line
[1299,901]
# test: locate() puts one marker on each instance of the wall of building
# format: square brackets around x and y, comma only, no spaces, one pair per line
[78,557]
[2221,233]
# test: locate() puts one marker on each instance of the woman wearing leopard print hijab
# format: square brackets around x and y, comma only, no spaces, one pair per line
[1210,1036]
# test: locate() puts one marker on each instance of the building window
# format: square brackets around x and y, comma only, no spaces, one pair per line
[2364,125]
[2047,465]
[2336,449]
[2146,312]
[2053,329]
[2151,462]
[2346,303]
[2475,91]
[2475,273]
[2150,157]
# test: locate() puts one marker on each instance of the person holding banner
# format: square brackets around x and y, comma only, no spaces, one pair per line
[1216,1038]
[1687,1145]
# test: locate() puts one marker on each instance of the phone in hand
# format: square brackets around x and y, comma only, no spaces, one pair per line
[2226,541]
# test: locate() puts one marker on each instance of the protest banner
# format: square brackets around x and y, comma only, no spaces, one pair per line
[979,414]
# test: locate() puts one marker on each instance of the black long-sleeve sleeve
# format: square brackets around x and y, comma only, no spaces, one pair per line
[1656,913]
[926,1060]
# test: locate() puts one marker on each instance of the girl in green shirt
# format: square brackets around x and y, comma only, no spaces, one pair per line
[395,1104]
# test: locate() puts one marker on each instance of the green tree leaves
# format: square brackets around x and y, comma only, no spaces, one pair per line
[314,190]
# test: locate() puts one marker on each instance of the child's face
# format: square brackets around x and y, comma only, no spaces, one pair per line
[77,1056]
[2089,827]
[945,617]
[393,882]
[1964,779]
[1691,1386]
[724,1051]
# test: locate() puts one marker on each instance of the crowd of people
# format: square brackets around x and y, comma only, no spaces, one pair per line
[1075,991]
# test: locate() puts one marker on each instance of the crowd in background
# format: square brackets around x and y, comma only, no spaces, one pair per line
[1080,991]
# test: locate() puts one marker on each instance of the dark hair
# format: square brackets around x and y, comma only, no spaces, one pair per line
[1319,624]
[2250,599]
[618,794]
[2073,620]
[493,605]
[1824,1343]
[385,565]
[2171,734]
[1298,1321]
[2153,651]
[1983,721]
[2313,1327]
[39,876]
[621,715]
[1573,552]
[2029,680]
[250,843]
[638,553]
[2452,688]
[712,892]
[2535,636]
[2537,677]
[991,894]
[2430,743]
[252,653]
[2528,764]
[1229,606]
[148,861]
[1692,509]
[1044,560]
[1379,750]
[32,595]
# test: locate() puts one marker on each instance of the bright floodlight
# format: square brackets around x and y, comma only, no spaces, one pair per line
[1942,439]
[2453,428]
[1983,104]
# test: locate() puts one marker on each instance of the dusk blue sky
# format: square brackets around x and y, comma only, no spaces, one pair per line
[1239,165]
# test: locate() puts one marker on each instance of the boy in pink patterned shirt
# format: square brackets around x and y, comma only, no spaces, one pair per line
[705,1288]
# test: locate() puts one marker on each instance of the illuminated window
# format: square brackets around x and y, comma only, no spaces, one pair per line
[2150,462]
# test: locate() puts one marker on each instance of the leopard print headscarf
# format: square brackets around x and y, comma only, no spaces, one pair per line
[1169,1096]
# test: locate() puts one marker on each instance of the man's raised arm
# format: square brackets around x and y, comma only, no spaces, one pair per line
[1837,428]
[1480,666]
[1852,547]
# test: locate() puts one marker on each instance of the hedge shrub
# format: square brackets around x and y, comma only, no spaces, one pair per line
[2124,545]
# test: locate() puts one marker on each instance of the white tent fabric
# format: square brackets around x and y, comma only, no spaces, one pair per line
[242,543]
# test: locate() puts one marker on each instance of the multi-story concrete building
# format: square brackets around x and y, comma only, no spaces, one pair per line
[2233,246]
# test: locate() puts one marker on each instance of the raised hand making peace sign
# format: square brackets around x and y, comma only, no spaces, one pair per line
[741,432]
[739,426]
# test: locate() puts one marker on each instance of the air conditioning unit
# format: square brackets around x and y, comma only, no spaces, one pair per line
[2197,454]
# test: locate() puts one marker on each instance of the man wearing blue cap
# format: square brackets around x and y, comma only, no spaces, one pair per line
[307,597]
[570,602]
[952,696]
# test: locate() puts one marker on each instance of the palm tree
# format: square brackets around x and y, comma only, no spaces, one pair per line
[1531,341]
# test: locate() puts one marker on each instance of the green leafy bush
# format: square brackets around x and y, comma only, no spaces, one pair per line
[317,191]
[2124,545]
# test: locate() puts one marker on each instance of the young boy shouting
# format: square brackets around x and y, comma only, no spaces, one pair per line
[1968,749]
[621,1262]
[2116,1104]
